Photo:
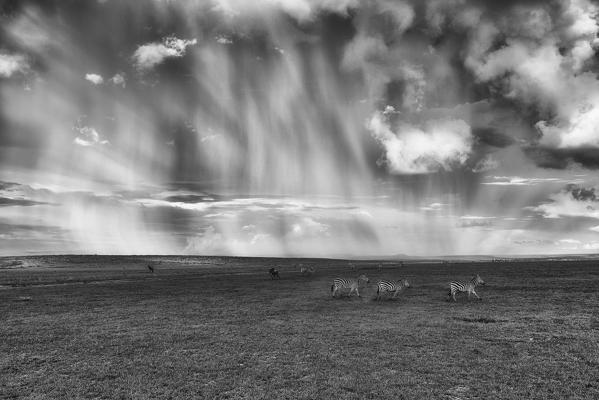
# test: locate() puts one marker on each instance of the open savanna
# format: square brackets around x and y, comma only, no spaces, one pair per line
[219,328]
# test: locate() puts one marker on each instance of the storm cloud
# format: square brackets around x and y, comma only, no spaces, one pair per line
[201,118]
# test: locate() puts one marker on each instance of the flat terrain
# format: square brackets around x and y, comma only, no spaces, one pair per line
[107,328]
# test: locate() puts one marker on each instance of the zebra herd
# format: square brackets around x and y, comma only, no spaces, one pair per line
[383,287]
[394,288]
[388,287]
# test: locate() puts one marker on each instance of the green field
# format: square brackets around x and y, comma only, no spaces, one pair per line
[106,328]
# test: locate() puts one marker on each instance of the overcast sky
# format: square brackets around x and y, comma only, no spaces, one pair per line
[299,127]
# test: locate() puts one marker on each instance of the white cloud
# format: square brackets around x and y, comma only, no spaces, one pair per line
[88,136]
[518,181]
[94,78]
[11,63]
[543,64]
[119,80]
[308,227]
[223,40]
[149,55]
[434,207]
[595,228]
[475,217]
[390,110]
[563,204]
[442,144]
[301,10]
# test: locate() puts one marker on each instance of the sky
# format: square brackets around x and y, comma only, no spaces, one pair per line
[331,128]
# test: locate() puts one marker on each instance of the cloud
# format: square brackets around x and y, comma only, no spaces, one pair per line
[582,194]
[94,78]
[545,157]
[220,39]
[434,207]
[571,202]
[486,164]
[11,64]
[308,227]
[472,221]
[208,242]
[150,55]
[88,136]
[119,80]
[6,201]
[543,64]
[301,10]
[492,137]
[518,181]
[440,145]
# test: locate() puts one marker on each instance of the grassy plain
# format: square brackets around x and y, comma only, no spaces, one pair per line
[219,328]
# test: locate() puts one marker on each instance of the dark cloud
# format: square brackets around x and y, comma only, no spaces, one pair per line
[544,157]
[493,137]
[19,229]
[192,198]
[581,193]
[5,201]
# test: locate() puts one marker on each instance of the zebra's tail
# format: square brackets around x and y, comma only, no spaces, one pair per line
[332,288]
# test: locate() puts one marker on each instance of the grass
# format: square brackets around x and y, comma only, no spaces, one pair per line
[217,328]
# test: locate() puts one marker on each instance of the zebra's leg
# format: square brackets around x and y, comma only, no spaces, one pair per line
[357,292]
[453,295]
[476,294]
[395,294]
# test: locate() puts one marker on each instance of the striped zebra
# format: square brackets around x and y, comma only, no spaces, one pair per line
[457,287]
[396,287]
[351,284]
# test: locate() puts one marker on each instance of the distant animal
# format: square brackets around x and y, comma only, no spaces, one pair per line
[150,268]
[395,287]
[352,284]
[352,266]
[274,273]
[380,266]
[307,271]
[457,287]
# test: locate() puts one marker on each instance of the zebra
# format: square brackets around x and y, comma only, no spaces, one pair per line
[150,268]
[457,287]
[385,286]
[274,273]
[351,284]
